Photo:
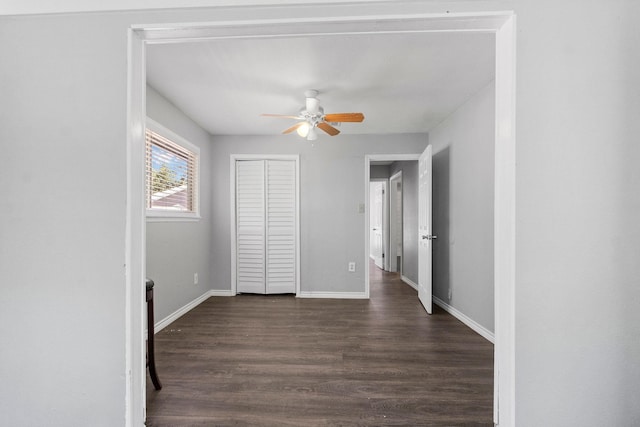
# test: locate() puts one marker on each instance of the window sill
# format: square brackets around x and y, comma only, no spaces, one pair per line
[156,216]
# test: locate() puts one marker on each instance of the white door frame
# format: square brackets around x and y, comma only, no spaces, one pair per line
[502,24]
[233,158]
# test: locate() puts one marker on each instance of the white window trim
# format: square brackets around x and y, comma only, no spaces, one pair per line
[157,215]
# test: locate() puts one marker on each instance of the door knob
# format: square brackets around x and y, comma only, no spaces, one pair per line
[429,237]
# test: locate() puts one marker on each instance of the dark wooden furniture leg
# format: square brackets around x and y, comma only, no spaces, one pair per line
[151,360]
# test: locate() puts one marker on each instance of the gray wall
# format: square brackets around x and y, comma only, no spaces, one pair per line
[62,272]
[331,229]
[62,277]
[378,171]
[463,181]
[409,216]
[177,250]
[578,204]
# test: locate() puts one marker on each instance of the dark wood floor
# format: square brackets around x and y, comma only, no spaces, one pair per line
[281,361]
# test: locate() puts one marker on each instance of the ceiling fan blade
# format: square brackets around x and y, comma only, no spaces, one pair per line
[328,128]
[282,116]
[344,117]
[294,127]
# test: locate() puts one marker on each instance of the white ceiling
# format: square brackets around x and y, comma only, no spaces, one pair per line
[403,83]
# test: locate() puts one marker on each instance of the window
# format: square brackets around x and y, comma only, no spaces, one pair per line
[171,174]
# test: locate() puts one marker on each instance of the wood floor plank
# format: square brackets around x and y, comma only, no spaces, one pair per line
[255,360]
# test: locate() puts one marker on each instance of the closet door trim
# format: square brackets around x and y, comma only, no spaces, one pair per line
[234,158]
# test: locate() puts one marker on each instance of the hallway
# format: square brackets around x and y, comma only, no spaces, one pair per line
[277,360]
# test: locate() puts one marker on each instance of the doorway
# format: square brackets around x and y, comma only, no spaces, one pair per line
[417,238]
[399,172]
[502,24]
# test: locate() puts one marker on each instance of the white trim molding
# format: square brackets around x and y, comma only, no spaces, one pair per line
[135,238]
[478,328]
[409,282]
[333,295]
[222,293]
[504,401]
[160,325]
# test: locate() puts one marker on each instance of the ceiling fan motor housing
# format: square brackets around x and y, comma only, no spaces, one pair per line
[311,116]
[312,105]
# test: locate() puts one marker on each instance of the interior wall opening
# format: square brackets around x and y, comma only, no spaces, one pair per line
[136,244]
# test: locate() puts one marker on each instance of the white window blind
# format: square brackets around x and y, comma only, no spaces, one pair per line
[170,175]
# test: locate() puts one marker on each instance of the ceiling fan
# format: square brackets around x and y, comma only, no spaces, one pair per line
[312,117]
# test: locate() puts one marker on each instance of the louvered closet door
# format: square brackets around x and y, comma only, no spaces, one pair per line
[281,227]
[266,226]
[250,226]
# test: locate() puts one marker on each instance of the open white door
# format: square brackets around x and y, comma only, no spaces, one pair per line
[425,236]
[395,221]
[376,224]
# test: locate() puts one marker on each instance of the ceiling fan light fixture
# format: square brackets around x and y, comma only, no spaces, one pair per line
[312,135]
[303,129]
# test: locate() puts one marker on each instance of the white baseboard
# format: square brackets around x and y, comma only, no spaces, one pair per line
[180,312]
[221,293]
[333,295]
[481,330]
[410,282]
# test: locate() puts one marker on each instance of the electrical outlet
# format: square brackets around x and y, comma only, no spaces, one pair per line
[352,266]
[195,278]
